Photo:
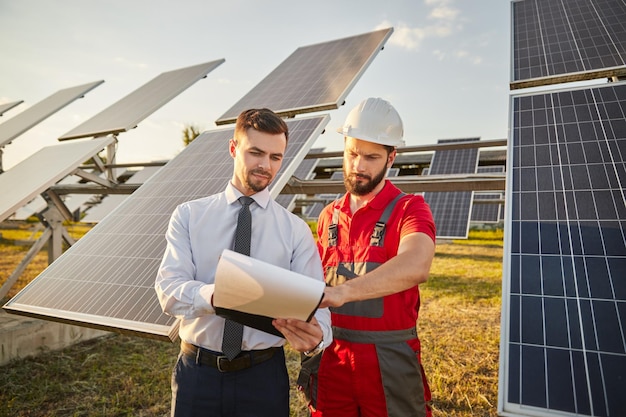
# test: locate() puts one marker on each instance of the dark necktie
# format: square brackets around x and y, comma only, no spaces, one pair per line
[233,331]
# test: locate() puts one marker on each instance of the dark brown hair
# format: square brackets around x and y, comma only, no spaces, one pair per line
[263,120]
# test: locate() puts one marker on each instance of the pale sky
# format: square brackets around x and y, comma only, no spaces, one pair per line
[446,68]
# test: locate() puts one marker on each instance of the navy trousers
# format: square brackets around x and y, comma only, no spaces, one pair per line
[259,391]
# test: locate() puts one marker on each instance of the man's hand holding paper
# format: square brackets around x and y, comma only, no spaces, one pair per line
[255,293]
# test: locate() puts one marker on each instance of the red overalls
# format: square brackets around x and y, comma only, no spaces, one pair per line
[373,366]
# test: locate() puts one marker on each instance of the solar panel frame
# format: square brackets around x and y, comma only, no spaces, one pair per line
[563,341]
[106,279]
[33,206]
[452,209]
[30,117]
[313,211]
[98,212]
[313,78]
[38,172]
[304,171]
[126,113]
[38,204]
[5,107]
[563,41]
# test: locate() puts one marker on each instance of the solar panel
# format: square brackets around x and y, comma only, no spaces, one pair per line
[106,279]
[304,171]
[313,78]
[126,113]
[99,211]
[29,209]
[38,204]
[312,211]
[574,37]
[488,212]
[451,209]
[8,106]
[38,172]
[23,121]
[563,333]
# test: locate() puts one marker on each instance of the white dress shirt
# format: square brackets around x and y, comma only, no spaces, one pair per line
[198,232]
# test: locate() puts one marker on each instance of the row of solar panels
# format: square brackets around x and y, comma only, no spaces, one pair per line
[105,279]
[92,209]
[328,72]
[453,211]
[323,80]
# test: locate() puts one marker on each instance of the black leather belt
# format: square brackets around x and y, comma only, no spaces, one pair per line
[244,360]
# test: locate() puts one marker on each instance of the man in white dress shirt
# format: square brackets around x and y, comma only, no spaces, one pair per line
[254,383]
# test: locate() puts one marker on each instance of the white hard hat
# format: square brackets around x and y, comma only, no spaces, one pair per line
[374,120]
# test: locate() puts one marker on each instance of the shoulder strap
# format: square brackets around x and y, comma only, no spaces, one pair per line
[378,235]
[332,228]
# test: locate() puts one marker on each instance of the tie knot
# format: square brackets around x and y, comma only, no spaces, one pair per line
[245,200]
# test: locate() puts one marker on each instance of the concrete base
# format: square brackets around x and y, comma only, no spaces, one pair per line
[24,336]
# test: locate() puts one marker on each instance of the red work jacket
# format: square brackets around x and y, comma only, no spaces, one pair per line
[354,252]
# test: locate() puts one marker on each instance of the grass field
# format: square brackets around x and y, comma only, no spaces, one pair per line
[121,375]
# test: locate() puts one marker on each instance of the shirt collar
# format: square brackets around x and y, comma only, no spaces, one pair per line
[262,198]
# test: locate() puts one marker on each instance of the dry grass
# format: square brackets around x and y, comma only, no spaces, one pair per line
[129,376]
[459,326]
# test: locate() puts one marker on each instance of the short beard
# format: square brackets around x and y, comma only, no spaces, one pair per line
[256,187]
[354,187]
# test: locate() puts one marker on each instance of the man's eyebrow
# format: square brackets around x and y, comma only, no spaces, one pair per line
[363,153]
[254,148]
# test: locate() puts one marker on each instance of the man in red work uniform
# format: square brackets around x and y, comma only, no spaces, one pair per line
[377,245]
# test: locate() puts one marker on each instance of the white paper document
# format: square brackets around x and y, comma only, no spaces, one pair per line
[261,290]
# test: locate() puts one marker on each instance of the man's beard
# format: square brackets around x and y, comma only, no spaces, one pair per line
[354,187]
[258,185]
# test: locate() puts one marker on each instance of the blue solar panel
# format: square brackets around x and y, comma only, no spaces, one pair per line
[487,212]
[555,37]
[451,209]
[563,341]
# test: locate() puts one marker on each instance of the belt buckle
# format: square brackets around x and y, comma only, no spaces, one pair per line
[219,363]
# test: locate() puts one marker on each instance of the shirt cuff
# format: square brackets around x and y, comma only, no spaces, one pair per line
[202,300]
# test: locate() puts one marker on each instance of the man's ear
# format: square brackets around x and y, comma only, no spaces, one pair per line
[391,158]
[232,147]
